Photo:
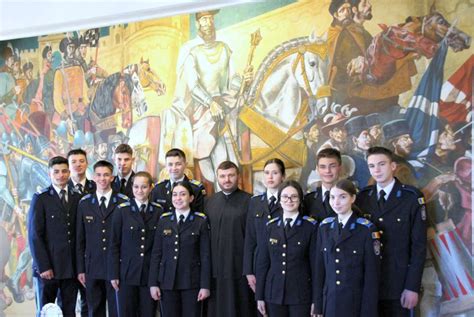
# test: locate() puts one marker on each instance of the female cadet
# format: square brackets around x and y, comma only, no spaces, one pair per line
[181,271]
[262,208]
[285,261]
[133,231]
[347,259]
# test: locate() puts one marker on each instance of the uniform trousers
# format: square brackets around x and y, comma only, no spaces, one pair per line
[100,294]
[275,310]
[47,292]
[135,301]
[392,308]
[180,303]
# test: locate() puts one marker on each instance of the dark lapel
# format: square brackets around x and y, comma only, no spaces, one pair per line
[174,223]
[187,222]
[111,205]
[373,207]
[294,228]
[136,211]
[346,231]
[394,199]
[333,229]
[95,205]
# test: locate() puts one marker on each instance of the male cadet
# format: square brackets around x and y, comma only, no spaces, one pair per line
[175,161]
[123,158]
[78,163]
[328,165]
[77,159]
[398,211]
[227,212]
[94,224]
[52,237]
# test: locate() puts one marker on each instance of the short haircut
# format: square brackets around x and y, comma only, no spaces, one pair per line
[380,150]
[57,160]
[145,175]
[104,163]
[176,152]
[329,153]
[186,185]
[77,152]
[278,162]
[347,186]
[124,148]
[228,165]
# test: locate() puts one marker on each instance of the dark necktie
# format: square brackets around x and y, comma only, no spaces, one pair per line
[381,200]
[181,221]
[339,228]
[326,201]
[123,181]
[102,206]
[287,225]
[79,187]
[62,197]
[271,205]
[143,211]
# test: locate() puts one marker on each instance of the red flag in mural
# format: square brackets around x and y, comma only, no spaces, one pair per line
[456,94]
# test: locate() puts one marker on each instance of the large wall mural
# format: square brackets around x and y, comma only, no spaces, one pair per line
[282,79]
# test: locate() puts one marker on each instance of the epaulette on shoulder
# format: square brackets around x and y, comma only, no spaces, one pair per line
[156,204]
[327,220]
[367,188]
[310,192]
[125,204]
[195,182]
[166,214]
[411,189]
[310,219]
[44,190]
[273,220]
[200,214]
[257,195]
[163,181]
[364,222]
[86,197]
[120,195]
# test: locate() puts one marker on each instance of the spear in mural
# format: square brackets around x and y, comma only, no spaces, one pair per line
[28,155]
[255,39]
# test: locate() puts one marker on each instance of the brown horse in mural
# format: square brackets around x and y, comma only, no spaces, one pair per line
[418,35]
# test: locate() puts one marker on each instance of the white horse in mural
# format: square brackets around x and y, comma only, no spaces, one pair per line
[292,72]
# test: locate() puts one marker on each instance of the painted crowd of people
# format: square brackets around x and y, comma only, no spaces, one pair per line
[134,248]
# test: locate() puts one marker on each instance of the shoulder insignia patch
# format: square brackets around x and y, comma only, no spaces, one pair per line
[328,220]
[364,222]
[421,200]
[200,214]
[376,235]
[44,190]
[377,247]
[310,219]
[86,197]
[195,182]
[125,204]
[273,220]
[166,214]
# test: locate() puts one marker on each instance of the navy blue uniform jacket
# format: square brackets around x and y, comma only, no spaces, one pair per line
[313,205]
[181,257]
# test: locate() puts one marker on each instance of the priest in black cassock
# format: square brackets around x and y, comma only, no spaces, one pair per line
[227,211]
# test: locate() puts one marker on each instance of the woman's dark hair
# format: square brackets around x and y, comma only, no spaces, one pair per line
[295,185]
[278,162]
[184,184]
[347,186]
[143,174]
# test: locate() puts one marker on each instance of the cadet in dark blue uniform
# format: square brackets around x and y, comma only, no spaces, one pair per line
[262,208]
[77,159]
[175,163]
[347,260]
[399,213]
[133,230]
[94,224]
[123,159]
[285,264]
[328,166]
[180,268]
[52,238]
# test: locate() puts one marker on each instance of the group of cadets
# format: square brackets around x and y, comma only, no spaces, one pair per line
[131,248]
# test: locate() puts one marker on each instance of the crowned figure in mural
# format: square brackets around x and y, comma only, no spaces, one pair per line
[203,113]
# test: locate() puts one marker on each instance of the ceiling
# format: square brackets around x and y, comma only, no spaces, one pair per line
[19,19]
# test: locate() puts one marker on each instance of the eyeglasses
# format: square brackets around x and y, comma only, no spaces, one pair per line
[291,198]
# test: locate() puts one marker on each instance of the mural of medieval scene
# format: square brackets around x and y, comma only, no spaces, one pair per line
[274,79]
